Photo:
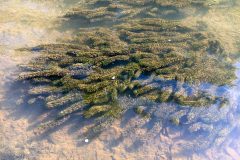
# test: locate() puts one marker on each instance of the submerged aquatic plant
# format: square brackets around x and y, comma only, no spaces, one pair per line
[102,64]
[141,56]
[110,12]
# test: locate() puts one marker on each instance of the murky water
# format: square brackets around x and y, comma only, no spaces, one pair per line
[28,23]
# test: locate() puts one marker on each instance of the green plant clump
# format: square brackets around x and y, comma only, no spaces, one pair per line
[102,63]
[109,12]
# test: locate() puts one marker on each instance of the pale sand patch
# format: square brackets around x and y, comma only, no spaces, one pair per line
[225,26]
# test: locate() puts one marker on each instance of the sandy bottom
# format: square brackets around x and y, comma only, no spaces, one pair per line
[27,23]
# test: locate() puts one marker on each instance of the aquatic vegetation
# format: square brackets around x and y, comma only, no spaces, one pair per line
[97,12]
[109,12]
[200,128]
[105,63]
[138,54]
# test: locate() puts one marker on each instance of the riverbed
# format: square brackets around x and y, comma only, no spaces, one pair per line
[28,23]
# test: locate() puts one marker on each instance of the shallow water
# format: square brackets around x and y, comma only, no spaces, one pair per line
[29,23]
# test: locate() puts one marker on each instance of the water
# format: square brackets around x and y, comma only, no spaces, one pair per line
[30,23]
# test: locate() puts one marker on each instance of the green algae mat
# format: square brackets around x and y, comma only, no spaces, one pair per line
[139,49]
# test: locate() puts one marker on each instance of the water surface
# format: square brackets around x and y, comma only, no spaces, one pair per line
[29,23]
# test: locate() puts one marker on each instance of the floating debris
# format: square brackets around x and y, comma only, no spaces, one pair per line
[86,140]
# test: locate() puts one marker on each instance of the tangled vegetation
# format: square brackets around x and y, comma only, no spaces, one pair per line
[129,50]
[109,12]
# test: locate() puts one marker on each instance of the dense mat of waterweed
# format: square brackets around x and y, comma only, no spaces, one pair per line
[109,12]
[141,55]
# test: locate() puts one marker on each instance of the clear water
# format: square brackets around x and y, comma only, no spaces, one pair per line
[27,23]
